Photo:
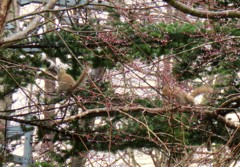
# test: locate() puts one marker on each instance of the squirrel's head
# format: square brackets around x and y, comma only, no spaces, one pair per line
[61,71]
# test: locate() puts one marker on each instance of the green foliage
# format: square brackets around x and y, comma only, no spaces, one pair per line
[98,61]
[76,48]
[148,103]
[158,38]
[207,130]
[135,135]
[235,31]
[43,164]
[225,3]
[15,69]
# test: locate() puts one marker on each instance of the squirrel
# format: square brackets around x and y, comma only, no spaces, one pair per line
[183,97]
[66,83]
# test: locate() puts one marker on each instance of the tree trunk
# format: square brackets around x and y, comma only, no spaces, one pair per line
[4,7]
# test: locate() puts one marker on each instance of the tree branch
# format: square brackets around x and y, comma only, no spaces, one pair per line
[203,13]
[211,112]
[105,111]
[112,110]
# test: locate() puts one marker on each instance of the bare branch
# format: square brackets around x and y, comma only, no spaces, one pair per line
[203,13]
[161,110]
[114,109]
